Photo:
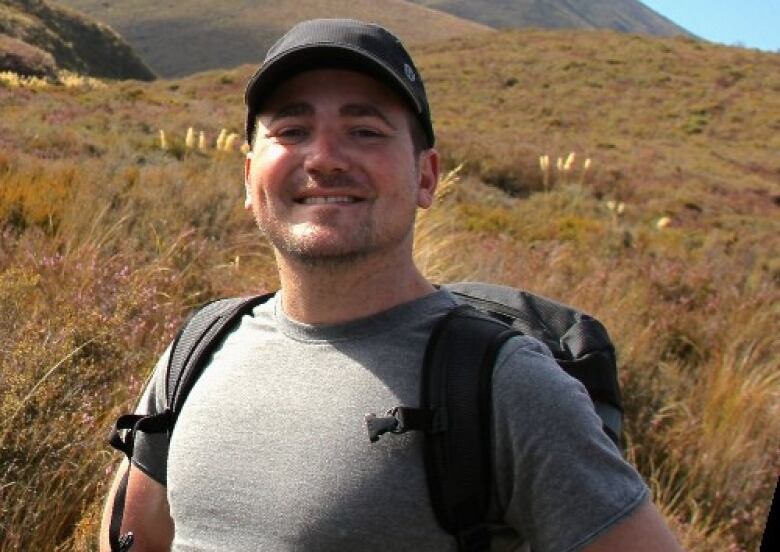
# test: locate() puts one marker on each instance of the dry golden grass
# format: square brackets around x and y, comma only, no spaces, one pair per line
[698,367]
[672,121]
[11,79]
[107,240]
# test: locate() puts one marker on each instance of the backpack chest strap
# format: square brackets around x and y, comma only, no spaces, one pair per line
[406,418]
[122,435]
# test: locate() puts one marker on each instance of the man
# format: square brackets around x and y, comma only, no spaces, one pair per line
[269,451]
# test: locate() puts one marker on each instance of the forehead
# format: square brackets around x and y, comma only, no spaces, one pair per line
[338,87]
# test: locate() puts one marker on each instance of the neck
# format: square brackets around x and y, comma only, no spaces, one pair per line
[330,293]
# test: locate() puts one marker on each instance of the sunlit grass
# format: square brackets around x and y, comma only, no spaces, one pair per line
[107,240]
[65,79]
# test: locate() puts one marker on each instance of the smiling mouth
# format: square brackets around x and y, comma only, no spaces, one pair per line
[325,200]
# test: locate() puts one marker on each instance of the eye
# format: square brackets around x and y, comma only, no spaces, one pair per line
[365,132]
[288,135]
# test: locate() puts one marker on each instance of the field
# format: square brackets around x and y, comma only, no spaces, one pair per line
[628,16]
[229,34]
[663,224]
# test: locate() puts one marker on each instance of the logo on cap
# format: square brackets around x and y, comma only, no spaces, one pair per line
[409,72]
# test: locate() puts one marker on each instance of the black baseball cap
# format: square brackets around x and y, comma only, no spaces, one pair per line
[339,44]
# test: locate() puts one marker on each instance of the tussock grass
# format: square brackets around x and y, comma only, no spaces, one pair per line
[106,241]
[698,367]
[82,323]
[66,79]
[626,102]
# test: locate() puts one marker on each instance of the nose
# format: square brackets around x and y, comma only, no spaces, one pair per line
[326,154]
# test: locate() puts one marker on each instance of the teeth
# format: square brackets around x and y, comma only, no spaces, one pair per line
[328,199]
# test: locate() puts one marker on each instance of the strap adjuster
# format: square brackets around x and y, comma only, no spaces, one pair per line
[401,419]
[378,426]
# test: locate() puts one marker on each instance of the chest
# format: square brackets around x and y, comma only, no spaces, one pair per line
[272,445]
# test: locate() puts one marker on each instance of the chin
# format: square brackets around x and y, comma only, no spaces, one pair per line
[313,245]
[320,260]
[315,249]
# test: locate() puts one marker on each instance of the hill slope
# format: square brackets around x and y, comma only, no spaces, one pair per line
[671,113]
[227,34]
[108,235]
[33,30]
[621,15]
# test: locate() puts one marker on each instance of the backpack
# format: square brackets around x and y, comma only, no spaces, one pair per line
[455,402]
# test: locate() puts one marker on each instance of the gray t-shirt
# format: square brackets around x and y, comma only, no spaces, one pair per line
[271,452]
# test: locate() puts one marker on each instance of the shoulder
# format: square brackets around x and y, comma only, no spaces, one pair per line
[552,459]
[525,347]
[526,371]
[153,398]
[541,410]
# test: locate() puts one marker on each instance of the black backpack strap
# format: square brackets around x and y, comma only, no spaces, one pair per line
[455,414]
[117,512]
[456,388]
[122,438]
[197,339]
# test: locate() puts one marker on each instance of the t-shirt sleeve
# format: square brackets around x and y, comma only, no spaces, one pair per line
[150,452]
[560,481]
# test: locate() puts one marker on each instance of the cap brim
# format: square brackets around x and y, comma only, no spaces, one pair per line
[319,56]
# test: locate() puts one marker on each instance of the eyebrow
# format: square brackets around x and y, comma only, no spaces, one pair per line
[292,110]
[365,110]
[350,110]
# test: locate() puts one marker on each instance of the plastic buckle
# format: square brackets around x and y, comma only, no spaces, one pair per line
[378,426]
[126,541]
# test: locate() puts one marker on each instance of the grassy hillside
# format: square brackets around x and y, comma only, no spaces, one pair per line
[664,225]
[18,57]
[699,122]
[227,34]
[622,15]
[35,28]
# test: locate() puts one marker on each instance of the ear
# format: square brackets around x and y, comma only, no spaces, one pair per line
[247,186]
[428,177]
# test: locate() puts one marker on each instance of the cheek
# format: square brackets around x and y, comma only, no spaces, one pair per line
[271,168]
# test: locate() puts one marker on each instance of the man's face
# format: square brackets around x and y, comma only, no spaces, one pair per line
[333,175]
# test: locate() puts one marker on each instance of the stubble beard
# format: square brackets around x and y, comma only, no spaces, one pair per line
[307,248]
[309,251]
